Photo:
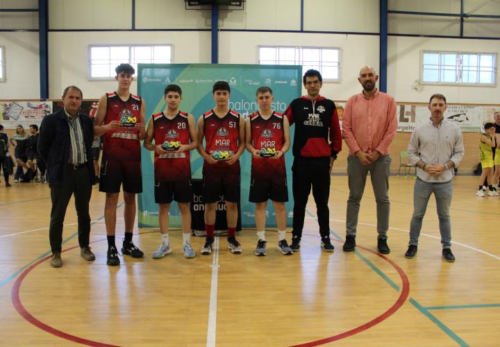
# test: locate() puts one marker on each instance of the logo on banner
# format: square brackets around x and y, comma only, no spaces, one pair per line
[268,82]
[167,80]
[293,82]
[233,81]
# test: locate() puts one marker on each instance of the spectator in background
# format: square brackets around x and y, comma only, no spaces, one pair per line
[31,153]
[4,155]
[18,141]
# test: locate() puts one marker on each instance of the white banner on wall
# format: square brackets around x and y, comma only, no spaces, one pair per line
[25,113]
[469,118]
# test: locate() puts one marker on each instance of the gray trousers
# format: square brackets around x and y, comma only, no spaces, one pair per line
[379,173]
[443,192]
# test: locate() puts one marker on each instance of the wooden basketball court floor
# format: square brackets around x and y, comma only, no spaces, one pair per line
[310,298]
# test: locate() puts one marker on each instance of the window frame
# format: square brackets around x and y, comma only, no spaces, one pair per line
[2,64]
[301,63]
[460,68]
[130,48]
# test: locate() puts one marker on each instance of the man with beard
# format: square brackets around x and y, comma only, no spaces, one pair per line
[435,148]
[369,125]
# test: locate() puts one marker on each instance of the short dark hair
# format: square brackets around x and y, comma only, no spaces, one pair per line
[312,73]
[438,96]
[221,85]
[172,88]
[66,90]
[488,126]
[34,126]
[125,68]
[263,89]
[1,127]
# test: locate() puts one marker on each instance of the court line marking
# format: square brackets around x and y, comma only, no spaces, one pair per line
[212,311]
[427,235]
[14,275]
[461,306]
[23,312]
[45,228]
[436,321]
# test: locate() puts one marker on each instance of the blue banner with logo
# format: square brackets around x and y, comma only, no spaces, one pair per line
[196,81]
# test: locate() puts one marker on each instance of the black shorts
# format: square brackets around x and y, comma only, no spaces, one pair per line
[180,191]
[219,184]
[95,153]
[114,173]
[262,190]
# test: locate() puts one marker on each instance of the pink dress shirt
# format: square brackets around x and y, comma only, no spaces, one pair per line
[369,124]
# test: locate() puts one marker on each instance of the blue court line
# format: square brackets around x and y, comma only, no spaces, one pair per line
[423,310]
[14,275]
[436,321]
[461,306]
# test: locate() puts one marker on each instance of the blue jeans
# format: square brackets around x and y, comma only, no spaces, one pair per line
[379,173]
[443,192]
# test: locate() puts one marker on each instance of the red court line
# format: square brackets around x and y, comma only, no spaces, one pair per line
[16,300]
[393,309]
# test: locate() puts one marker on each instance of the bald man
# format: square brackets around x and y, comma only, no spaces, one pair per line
[369,125]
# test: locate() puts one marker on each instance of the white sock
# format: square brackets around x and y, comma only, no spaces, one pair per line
[186,238]
[164,238]
[261,235]
[281,235]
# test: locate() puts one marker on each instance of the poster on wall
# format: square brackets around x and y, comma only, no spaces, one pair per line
[196,81]
[25,113]
[468,118]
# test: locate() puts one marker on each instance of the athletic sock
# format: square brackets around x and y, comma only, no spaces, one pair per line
[231,231]
[164,238]
[281,235]
[261,235]
[111,241]
[491,188]
[128,237]
[480,187]
[210,230]
[186,238]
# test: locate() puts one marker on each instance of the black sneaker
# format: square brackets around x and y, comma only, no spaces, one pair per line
[350,244]
[448,256]
[383,247]
[284,248]
[207,248]
[260,250]
[411,252]
[113,259]
[295,246]
[326,244]
[130,249]
[233,245]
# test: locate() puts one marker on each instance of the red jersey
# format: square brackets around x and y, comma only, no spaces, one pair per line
[122,144]
[268,137]
[172,166]
[222,136]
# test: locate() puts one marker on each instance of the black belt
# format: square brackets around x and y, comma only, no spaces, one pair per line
[78,166]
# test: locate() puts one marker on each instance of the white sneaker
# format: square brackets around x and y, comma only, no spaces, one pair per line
[480,193]
[189,253]
[493,193]
[162,251]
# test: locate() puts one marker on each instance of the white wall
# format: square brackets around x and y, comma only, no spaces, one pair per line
[357,51]
[405,65]
[69,55]
[22,76]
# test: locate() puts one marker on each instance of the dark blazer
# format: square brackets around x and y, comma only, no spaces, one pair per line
[54,146]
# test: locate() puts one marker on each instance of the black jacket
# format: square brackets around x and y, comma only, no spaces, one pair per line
[54,146]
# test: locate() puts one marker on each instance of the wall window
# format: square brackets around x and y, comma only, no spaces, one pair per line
[2,64]
[325,60]
[104,59]
[459,68]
